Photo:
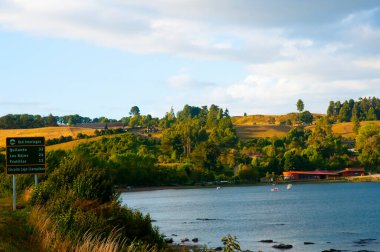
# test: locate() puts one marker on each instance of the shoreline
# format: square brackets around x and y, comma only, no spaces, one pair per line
[356,179]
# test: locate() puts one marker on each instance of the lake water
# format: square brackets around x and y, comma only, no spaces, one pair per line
[331,215]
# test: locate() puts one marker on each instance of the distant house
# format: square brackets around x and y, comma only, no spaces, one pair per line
[349,143]
[322,174]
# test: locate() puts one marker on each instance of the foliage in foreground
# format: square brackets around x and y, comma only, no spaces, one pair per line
[79,199]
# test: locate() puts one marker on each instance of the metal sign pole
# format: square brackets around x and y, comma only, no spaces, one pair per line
[35,179]
[14,192]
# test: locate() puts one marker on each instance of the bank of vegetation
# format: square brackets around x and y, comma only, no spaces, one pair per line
[75,206]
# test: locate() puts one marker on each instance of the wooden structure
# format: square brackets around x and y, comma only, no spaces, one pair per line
[322,174]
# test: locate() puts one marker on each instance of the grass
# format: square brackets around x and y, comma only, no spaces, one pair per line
[47,132]
[247,127]
[15,232]
[345,129]
[70,145]
[254,126]
[368,178]
[246,132]
[265,119]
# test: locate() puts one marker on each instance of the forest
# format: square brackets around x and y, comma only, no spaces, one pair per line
[200,144]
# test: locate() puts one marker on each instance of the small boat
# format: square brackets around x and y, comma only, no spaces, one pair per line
[289,186]
[218,188]
[274,189]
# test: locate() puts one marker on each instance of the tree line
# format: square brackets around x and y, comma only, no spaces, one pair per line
[365,109]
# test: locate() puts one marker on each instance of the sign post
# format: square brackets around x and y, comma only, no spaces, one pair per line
[14,192]
[25,155]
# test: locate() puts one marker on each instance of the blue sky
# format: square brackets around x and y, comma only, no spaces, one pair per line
[99,58]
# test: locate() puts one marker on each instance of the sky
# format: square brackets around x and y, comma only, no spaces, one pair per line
[99,58]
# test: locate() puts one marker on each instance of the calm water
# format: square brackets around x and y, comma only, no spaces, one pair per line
[330,215]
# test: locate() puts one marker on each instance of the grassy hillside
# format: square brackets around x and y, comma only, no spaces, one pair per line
[246,132]
[72,144]
[47,132]
[267,119]
[345,129]
[246,127]
[254,126]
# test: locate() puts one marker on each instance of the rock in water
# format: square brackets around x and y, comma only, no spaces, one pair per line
[169,240]
[267,241]
[282,246]
[308,243]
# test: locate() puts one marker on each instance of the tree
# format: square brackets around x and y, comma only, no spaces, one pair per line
[300,105]
[134,111]
[368,146]
[306,117]
[51,120]
[356,126]
[345,112]
[371,116]
[330,109]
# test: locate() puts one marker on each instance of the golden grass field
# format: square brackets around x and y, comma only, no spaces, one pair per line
[253,126]
[264,119]
[246,132]
[345,129]
[47,132]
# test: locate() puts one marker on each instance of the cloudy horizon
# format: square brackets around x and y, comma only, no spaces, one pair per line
[100,58]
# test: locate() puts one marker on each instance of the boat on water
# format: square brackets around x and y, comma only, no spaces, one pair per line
[274,189]
[289,186]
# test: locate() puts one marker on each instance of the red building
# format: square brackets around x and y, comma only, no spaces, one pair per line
[322,174]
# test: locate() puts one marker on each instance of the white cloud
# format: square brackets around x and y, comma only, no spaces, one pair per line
[230,30]
[316,76]
[312,49]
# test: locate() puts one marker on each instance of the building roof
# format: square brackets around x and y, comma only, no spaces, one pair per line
[316,172]
[324,172]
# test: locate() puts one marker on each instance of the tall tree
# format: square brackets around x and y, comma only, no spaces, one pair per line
[368,146]
[134,111]
[300,105]
[330,109]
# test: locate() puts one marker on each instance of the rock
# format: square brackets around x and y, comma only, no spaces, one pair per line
[364,241]
[282,246]
[308,243]
[174,235]
[205,219]
[267,241]
[218,249]
[185,240]
[195,240]
[169,240]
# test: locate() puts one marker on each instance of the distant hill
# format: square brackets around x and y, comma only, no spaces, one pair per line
[247,127]
[287,119]
[245,132]
[47,132]
[253,126]
[345,129]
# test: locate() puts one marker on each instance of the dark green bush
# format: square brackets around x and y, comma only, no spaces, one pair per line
[79,197]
